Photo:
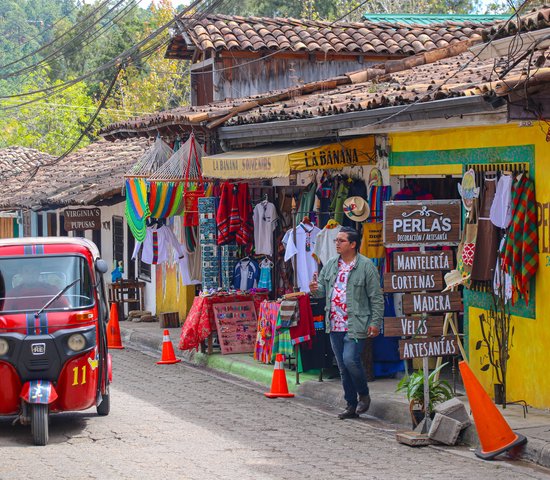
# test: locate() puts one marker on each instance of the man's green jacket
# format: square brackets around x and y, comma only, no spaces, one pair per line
[364,296]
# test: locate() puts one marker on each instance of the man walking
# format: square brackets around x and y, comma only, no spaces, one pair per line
[351,285]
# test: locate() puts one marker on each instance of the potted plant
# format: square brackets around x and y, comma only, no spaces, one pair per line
[413,385]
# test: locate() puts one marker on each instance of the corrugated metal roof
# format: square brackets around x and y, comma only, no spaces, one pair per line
[428,19]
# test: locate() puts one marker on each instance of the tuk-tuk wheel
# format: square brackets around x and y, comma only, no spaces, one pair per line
[39,424]
[104,407]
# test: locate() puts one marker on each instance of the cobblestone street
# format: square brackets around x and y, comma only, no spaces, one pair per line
[179,422]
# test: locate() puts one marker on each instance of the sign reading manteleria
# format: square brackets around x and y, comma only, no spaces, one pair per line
[82,219]
[421,223]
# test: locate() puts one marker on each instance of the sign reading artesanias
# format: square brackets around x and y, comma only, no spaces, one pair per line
[422,223]
[82,219]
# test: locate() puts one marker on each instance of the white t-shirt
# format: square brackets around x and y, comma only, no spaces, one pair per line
[265,221]
[501,208]
[325,246]
[306,265]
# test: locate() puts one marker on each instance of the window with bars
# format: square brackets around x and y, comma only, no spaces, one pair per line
[118,238]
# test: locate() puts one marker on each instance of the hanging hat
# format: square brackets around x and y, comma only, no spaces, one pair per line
[453,279]
[356,208]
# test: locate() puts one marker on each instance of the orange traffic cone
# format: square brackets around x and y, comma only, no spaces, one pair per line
[495,435]
[168,355]
[279,387]
[113,329]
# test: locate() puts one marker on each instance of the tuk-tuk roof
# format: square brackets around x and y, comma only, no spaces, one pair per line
[78,241]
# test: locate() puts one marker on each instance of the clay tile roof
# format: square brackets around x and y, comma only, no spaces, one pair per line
[17,160]
[536,19]
[84,177]
[221,32]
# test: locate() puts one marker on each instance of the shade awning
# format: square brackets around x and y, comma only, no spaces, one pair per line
[279,162]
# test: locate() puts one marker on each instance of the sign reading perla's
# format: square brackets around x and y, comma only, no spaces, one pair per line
[421,223]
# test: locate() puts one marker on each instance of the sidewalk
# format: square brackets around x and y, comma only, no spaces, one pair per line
[386,403]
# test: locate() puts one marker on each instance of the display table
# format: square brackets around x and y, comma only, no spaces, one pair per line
[200,321]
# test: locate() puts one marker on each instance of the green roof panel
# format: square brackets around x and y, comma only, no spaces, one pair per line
[412,19]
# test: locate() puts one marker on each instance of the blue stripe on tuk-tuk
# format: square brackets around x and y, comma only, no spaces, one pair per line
[43,323]
[30,323]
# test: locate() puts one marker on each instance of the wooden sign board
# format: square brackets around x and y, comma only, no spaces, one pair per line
[431,302]
[236,323]
[427,261]
[413,281]
[428,347]
[411,326]
[422,223]
[82,219]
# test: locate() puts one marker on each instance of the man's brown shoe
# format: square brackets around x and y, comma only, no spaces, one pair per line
[364,404]
[349,412]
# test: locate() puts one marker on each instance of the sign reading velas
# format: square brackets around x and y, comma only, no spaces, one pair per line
[82,219]
[422,223]
[413,326]
[412,281]
[428,347]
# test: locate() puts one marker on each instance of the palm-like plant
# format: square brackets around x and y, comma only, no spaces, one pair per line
[413,385]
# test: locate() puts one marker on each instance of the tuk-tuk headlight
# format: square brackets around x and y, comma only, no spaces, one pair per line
[4,347]
[76,342]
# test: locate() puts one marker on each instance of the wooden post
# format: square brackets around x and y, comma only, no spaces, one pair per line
[294,259]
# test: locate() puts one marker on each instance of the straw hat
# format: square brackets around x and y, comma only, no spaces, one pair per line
[453,279]
[356,208]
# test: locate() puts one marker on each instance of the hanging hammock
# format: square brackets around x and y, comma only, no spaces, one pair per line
[176,186]
[137,208]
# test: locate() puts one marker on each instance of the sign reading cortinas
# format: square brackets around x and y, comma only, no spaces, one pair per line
[82,219]
[421,223]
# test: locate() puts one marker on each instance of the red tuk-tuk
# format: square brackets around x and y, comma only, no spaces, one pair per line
[53,315]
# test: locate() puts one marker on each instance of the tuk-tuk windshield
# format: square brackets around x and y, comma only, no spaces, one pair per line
[29,283]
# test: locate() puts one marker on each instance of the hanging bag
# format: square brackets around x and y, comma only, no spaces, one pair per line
[193,186]
[467,247]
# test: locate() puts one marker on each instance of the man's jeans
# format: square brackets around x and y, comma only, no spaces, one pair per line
[348,357]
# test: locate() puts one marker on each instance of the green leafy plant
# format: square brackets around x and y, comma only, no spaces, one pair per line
[413,385]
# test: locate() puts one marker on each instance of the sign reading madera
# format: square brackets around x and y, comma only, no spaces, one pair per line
[82,219]
[422,223]
[431,302]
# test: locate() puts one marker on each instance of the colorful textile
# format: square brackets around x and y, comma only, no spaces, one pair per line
[197,326]
[337,205]
[267,319]
[282,342]
[137,208]
[521,254]
[305,330]
[338,305]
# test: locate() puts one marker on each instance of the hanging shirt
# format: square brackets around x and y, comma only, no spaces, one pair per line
[265,221]
[156,246]
[325,246]
[338,305]
[306,266]
[501,208]
[246,274]
[265,275]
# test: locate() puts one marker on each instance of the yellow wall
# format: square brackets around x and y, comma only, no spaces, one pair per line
[528,377]
[171,295]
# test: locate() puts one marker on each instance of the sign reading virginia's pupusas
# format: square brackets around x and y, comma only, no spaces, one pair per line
[82,219]
[408,261]
[412,281]
[422,223]
[428,347]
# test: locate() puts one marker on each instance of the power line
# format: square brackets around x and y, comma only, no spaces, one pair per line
[35,52]
[124,57]
[53,54]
